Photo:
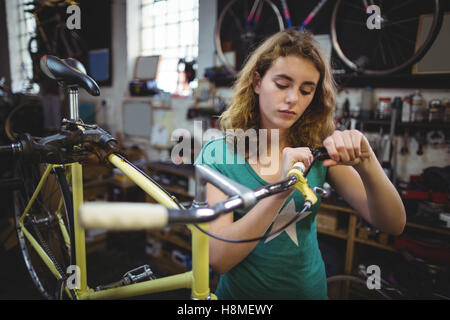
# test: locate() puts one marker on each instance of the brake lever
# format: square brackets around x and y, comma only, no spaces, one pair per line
[319,154]
[299,171]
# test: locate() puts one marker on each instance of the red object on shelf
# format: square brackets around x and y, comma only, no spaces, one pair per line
[438,197]
[423,250]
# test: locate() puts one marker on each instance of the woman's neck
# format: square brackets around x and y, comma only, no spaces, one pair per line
[281,137]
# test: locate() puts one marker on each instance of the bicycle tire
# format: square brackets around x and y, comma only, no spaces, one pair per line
[26,117]
[402,50]
[362,291]
[224,19]
[48,234]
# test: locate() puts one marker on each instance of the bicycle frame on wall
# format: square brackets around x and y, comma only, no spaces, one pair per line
[196,279]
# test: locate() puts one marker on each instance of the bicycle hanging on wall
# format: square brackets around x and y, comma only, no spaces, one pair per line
[370,37]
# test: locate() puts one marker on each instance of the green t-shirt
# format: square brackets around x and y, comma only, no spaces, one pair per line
[286,266]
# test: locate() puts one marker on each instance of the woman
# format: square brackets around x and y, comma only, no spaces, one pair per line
[286,87]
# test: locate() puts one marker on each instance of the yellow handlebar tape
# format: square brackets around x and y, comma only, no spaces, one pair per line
[302,183]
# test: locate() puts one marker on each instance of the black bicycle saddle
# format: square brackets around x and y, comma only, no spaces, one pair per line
[69,71]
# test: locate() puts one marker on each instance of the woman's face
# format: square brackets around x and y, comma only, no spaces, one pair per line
[285,91]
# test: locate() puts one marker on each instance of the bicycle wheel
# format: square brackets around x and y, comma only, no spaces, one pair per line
[26,117]
[233,34]
[390,45]
[347,287]
[44,234]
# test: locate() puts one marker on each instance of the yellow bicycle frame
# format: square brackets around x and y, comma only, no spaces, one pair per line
[197,279]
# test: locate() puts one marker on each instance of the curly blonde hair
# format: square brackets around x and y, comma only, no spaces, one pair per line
[316,123]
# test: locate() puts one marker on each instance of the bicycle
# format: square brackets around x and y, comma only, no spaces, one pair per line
[52,35]
[51,217]
[419,283]
[386,46]
[351,287]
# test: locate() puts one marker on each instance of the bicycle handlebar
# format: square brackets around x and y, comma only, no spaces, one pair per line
[64,146]
[8,152]
[123,216]
[139,216]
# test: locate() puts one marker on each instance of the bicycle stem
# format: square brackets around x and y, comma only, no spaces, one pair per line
[73,104]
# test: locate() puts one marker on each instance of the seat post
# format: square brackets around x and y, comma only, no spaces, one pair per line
[73,103]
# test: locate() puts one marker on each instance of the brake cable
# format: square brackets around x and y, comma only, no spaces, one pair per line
[319,154]
[298,215]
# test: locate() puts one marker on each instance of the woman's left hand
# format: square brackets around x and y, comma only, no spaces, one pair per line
[347,147]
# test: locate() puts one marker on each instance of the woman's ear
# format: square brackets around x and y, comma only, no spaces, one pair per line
[256,82]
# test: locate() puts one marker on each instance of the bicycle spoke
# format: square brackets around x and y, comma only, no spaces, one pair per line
[236,20]
[395,50]
[46,225]
[398,36]
[402,21]
[390,51]
[380,42]
[404,3]
[400,50]
[373,53]
[380,4]
[359,8]
[405,29]
[357,22]
[234,28]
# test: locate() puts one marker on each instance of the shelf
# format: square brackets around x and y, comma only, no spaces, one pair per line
[186,170]
[173,236]
[408,224]
[408,81]
[427,228]
[414,125]
[342,234]
[203,112]
[337,208]
[375,244]
[338,233]
[401,127]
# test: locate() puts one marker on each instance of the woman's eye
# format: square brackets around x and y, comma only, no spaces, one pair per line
[281,86]
[305,93]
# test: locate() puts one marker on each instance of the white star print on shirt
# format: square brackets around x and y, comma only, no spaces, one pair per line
[283,217]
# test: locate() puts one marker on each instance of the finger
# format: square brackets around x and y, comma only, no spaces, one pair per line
[346,137]
[329,144]
[341,147]
[309,156]
[329,163]
[356,138]
[304,155]
[365,148]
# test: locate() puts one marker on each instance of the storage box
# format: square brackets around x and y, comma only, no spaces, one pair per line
[327,220]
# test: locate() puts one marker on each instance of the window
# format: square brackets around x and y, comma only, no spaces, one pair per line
[21,28]
[169,28]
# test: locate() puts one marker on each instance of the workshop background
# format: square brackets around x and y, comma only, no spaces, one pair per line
[158,69]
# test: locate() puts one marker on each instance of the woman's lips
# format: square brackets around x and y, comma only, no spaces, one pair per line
[287,113]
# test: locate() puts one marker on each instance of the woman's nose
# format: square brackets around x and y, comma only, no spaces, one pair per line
[292,96]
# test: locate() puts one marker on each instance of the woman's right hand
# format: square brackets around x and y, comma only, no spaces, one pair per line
[290,156]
